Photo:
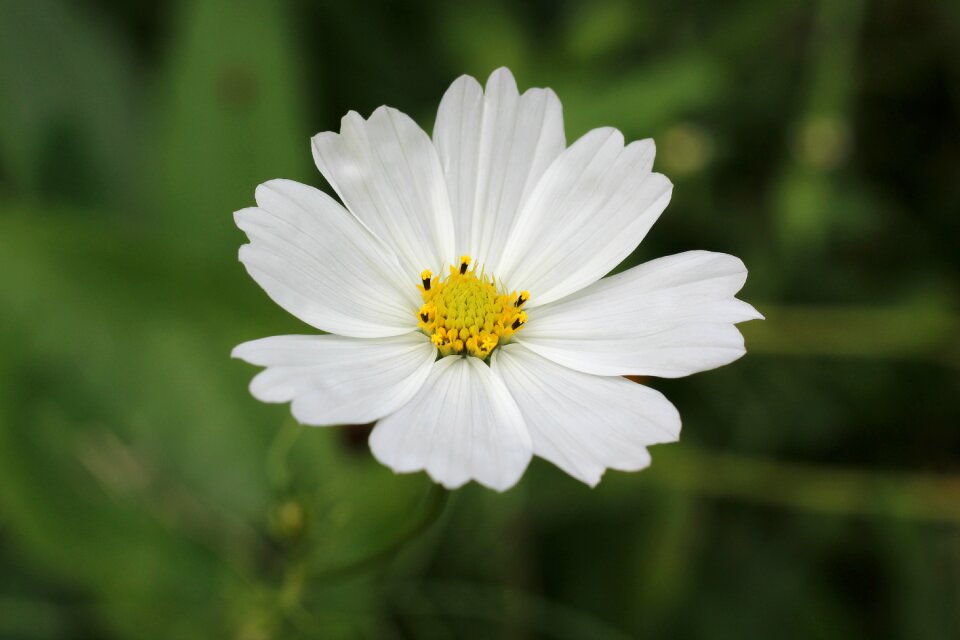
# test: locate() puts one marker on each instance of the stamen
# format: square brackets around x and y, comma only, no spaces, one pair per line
[466,314]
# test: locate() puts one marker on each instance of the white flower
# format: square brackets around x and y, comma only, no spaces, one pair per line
[461,288]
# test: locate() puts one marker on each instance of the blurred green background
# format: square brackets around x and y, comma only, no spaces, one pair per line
[145,494]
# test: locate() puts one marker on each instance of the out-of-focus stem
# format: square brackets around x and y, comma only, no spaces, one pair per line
[436,502]
[913,496]
[921,497]
[906,332]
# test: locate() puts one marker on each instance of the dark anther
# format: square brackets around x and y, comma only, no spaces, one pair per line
[424,316]
[426,284]
[463,268]
[520,301]
[516,324]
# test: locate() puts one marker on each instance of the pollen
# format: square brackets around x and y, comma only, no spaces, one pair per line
[466,313]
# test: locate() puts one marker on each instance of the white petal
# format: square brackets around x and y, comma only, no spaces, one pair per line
[582,423]
[590,210]
[335,380]
[319,263]
[494,148]
[386,171]
[462,425]
[669,317]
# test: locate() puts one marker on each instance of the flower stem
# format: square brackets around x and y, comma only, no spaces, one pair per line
[436,501]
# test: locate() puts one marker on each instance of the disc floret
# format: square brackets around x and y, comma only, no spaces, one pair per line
[466,314]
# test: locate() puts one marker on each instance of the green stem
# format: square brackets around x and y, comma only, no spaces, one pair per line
[436,502]
[842,491]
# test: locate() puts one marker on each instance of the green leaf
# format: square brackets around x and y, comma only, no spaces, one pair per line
[69,107]
[230,116]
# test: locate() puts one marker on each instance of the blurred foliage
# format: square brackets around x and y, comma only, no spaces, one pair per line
[145,494]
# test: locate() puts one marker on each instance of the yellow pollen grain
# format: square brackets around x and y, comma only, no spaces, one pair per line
[465,313]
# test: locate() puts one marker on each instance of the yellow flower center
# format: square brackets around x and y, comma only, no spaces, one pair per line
[465,313]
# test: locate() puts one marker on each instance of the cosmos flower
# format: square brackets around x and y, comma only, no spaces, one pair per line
[461,285]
